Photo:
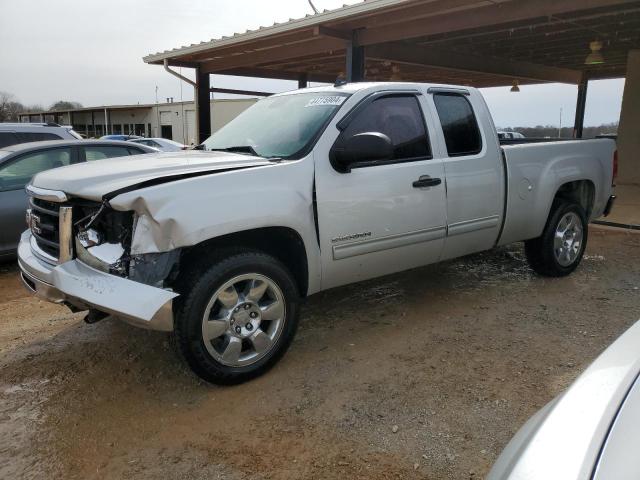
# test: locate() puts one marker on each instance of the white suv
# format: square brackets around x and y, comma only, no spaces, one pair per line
[14,133]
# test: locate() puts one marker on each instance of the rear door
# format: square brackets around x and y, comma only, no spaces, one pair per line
[373,220]
[474,171]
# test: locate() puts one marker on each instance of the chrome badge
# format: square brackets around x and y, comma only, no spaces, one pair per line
[34,223]
[351,236]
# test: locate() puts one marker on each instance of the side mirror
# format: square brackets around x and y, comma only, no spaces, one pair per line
[360,150]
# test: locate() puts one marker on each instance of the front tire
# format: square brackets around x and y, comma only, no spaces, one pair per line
[238,318]
[559,250]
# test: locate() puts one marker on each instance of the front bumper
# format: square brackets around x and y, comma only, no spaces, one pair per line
[84,287]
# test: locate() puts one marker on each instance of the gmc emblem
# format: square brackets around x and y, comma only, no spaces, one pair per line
[34,222]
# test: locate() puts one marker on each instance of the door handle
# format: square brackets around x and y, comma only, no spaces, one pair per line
[426,181]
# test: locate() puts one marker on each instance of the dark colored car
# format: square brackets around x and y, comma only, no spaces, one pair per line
[18,163]
[14,133]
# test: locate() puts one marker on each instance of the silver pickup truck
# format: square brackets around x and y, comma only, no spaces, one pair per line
[304,191]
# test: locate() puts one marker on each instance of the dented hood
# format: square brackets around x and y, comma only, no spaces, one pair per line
[93,180]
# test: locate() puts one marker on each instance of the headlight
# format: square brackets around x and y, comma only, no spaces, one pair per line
[103,238]
[89,238]
[105,257]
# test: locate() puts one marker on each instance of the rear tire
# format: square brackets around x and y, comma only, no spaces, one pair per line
[559,250]
[238,318]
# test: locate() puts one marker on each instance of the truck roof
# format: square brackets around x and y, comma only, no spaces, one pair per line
[357,86]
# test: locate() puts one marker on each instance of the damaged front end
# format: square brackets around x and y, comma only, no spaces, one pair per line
[97,272]
[103,241]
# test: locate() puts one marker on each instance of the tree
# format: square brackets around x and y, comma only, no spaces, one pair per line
[35,108]
[65,105]
[9,108]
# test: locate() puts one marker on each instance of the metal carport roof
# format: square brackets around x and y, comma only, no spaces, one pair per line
[469,42]
[481,43]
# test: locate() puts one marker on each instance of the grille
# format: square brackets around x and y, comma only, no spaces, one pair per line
[45,225]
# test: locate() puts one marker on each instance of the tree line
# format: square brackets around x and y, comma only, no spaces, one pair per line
[10,107]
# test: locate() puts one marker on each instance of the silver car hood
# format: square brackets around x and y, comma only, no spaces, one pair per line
[565,438]
[93,180]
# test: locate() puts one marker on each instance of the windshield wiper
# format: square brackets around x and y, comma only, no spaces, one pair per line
[248,149]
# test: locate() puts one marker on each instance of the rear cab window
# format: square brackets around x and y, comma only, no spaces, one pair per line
[459,124]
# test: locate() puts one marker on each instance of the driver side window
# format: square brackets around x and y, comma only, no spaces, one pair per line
[398,117]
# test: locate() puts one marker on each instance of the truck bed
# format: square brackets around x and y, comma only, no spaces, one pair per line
[535,171]
[520,141]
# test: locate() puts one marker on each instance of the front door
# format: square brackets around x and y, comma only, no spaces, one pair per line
[389,215]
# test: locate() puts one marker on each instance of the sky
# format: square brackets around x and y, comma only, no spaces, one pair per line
[91,52]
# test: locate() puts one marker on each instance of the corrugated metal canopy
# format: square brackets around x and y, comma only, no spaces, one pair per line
[473,42]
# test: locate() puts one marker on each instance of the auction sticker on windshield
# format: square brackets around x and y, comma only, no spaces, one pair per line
[326,100]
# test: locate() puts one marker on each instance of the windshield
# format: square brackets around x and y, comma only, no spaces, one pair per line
[280,126]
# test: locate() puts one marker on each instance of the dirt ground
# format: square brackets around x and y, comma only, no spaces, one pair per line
[424,374]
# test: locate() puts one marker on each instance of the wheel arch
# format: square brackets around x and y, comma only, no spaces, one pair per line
[283,243]
[581,192]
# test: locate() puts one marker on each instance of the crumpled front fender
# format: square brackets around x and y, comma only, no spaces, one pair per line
[187,212]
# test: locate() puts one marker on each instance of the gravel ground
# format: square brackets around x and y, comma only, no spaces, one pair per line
[425,374]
